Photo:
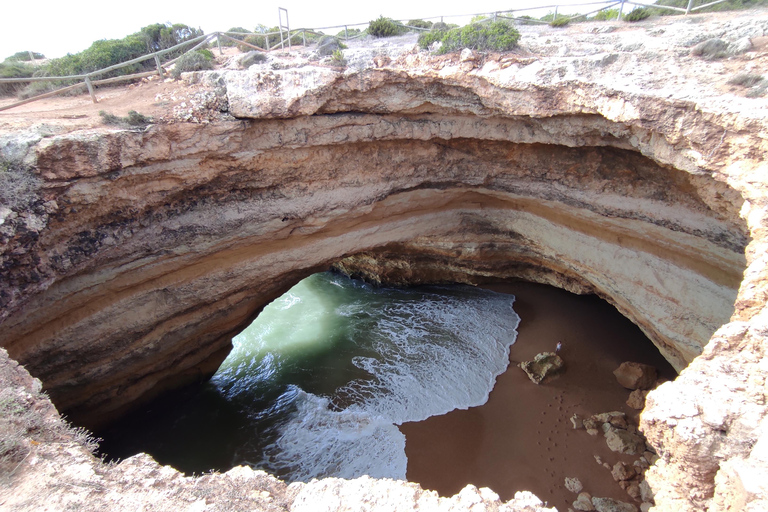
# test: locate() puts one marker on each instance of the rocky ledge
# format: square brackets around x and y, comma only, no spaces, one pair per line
[133,256]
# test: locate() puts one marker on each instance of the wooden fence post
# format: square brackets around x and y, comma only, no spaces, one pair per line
[218,41]
[688,9]
[159,66]
[90,89]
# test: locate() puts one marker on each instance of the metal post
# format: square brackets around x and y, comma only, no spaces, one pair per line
[555,16]
[304,37]
[90,89]
[218,42]
[494,16]
[287,26]
[159,67]
[688,9]
[621,10]
[346,34]
[266,37]
[31,56]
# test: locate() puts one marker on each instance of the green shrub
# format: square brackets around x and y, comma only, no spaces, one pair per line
[259,38]
[24,56]
[133,119]
[193,61]
[14,70]
[385,27]
[527,20]
[337,59]
[638,14]
[427,38]
[560,21]
[606,14]
[349,32]
[229,42]
[419,24]
[494,36]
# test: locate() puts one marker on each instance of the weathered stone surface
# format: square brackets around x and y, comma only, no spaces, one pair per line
[633,375]
[544,367]
[611,505]
[622,441]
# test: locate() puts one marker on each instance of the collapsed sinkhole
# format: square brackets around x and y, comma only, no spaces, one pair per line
[340,378]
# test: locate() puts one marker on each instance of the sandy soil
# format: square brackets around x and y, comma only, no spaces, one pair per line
[522,438]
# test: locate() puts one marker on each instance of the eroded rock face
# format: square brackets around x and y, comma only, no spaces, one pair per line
[145,252]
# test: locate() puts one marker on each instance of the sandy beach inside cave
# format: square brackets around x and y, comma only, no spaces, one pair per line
[522,438]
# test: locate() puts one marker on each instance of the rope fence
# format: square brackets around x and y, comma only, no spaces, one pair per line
[286,37]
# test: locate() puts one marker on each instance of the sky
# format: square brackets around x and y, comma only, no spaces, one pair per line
[58,27]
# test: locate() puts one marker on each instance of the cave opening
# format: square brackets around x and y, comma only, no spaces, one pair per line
[340,378]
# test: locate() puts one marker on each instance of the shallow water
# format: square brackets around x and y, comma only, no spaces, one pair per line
[317,385]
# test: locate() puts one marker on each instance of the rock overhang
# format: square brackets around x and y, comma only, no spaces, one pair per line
[410,175]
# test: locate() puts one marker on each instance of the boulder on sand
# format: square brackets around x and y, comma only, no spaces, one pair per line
[544,366]
[633,375]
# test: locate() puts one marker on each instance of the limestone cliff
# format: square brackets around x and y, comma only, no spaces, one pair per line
[144,252]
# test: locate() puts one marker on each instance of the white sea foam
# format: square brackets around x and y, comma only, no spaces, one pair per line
[434,355]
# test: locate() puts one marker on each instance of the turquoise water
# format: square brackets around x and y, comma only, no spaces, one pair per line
[317,385]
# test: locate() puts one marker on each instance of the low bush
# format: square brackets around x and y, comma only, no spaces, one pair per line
[385,27]
[638,14]
[14,70]
[24,56]
[337,59]
[746,79]
[133,119]
[494,36]
[606,14]
[419,24]
[427,38]
[193,61]
[560,21]
[229,42]
[350,32]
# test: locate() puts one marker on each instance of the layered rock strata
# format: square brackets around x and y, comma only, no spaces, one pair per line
[144,252]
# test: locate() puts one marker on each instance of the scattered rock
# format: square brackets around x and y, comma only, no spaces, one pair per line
[711,49]
[577,422]
[634,491]
[610,505]
[544,367]
[592,431]
[574,485]
[623,471]
[646,494]
[591,423]
[740,46]
[633,375]
[624,442]
[645,507]
[636,399]
[650,457]
[583,502]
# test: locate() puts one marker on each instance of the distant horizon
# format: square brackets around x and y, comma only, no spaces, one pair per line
[72,27]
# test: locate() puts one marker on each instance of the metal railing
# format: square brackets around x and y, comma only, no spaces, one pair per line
[287,35]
